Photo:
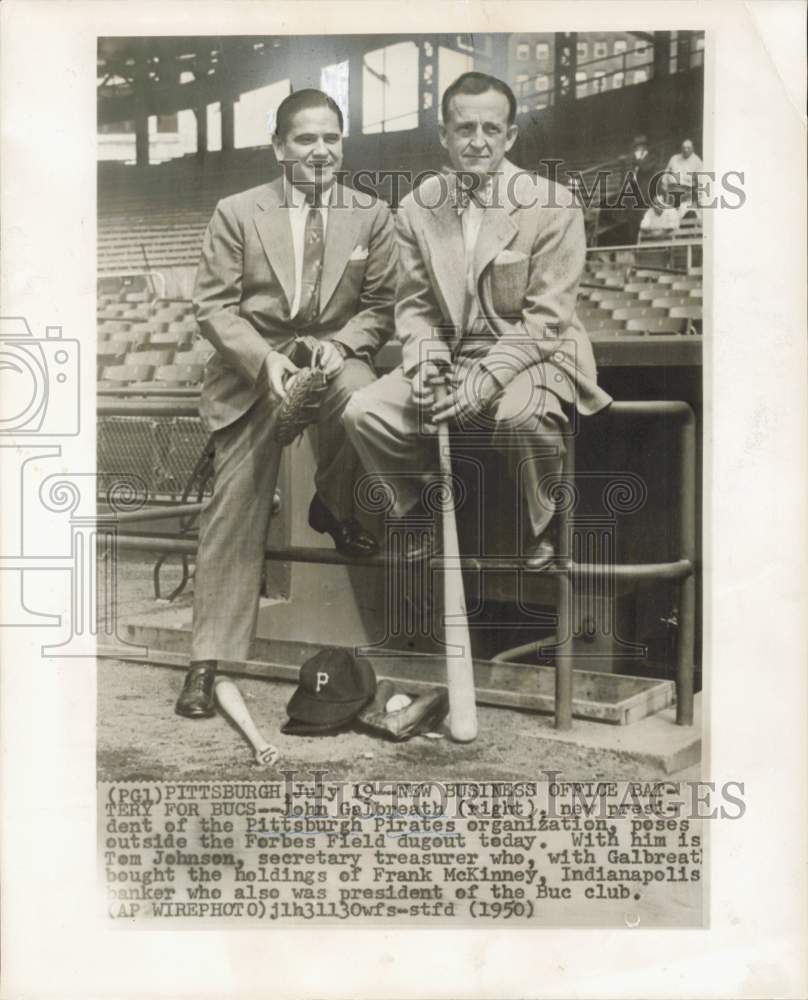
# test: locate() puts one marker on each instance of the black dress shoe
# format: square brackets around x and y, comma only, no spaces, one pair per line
[196,698]
[539,554]
[350,538]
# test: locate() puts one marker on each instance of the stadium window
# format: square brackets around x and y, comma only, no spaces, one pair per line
[334,81]
[642,50]
[601,50]
[618,80]
[598,85]
[542,83]
[620,46]
[583,50]
[580,84]
[542,51]
[700,43]
[523,109]
[167,123]
[451,65]
[640,76]
[255,114]
[520,80]
[522,51]
[390,88]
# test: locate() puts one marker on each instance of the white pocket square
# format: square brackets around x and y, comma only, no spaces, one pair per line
[509,257]
[359,253]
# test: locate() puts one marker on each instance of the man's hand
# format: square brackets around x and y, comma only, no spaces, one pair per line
[423,393]
[331,358]
[278,368]
[467,397]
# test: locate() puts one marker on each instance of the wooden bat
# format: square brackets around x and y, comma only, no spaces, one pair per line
[459,666]
[232,704]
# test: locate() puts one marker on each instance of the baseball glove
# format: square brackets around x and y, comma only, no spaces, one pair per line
[421,715]
[304,392]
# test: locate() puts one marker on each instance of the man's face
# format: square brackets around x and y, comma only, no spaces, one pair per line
[477,135]
[687,148]
[311,150]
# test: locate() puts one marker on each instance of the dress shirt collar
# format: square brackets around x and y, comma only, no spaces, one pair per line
[295,198]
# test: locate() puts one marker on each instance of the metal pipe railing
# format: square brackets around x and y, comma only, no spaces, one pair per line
[680,571]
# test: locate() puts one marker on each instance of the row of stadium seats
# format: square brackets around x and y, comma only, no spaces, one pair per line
[132,374]
[145,341]
[614,301]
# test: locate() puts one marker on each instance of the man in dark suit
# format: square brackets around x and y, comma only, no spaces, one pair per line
[641,184]
[489,263]
[298,256]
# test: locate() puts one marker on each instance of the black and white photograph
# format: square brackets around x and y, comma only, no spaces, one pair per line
[522,573]
[401,519]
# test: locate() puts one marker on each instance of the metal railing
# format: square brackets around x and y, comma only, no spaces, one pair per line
[567,573]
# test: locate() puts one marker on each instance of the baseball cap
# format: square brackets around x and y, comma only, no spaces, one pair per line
[333,687]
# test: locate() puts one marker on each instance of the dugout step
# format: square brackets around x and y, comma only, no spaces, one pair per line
[601,697]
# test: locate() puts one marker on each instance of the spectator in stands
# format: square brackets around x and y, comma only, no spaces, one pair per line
[660,220]
[681,177]
[638,187]
[296,256]
[490,259]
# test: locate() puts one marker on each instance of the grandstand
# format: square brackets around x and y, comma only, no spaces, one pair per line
[642,307]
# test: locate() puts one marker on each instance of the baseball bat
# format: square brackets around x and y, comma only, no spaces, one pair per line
[232,704]
[459,666]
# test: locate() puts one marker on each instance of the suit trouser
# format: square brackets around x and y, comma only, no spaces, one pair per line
[526,422]
[235,521]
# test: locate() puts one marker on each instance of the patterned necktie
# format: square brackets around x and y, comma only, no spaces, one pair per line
[310,279]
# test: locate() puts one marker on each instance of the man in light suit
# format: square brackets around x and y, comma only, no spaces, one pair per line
[489,264]
[298,256]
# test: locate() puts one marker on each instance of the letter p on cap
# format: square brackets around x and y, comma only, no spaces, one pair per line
[322,680]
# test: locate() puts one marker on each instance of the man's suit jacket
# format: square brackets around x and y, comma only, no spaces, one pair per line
[528,260]
[245,288]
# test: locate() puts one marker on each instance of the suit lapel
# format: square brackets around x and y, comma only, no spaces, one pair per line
[275,233]
[341,234]
[447,252]
[498,226]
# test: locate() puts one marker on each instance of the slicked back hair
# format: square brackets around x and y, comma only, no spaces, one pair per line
[477,83]
[301,100]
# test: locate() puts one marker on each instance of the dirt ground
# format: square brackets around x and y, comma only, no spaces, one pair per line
[140,737]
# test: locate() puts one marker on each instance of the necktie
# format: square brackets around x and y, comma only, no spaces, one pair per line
[313,245]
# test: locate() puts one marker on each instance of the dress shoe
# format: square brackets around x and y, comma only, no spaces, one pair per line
[538,554]
[196,698]
[350,538]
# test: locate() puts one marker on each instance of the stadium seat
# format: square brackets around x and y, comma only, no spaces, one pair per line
[686,312]
[638,312]
[180,375]
[177,341]
[653,325]
[670,301]
[113,326]
[153,358]
[132,339]
[620,302]
[611,295]
[196,356]
[607,326]
[124,374]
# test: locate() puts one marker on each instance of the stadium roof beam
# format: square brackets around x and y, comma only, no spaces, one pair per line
[225,67]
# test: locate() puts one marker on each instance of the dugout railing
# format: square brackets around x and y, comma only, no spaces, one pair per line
[568,575]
